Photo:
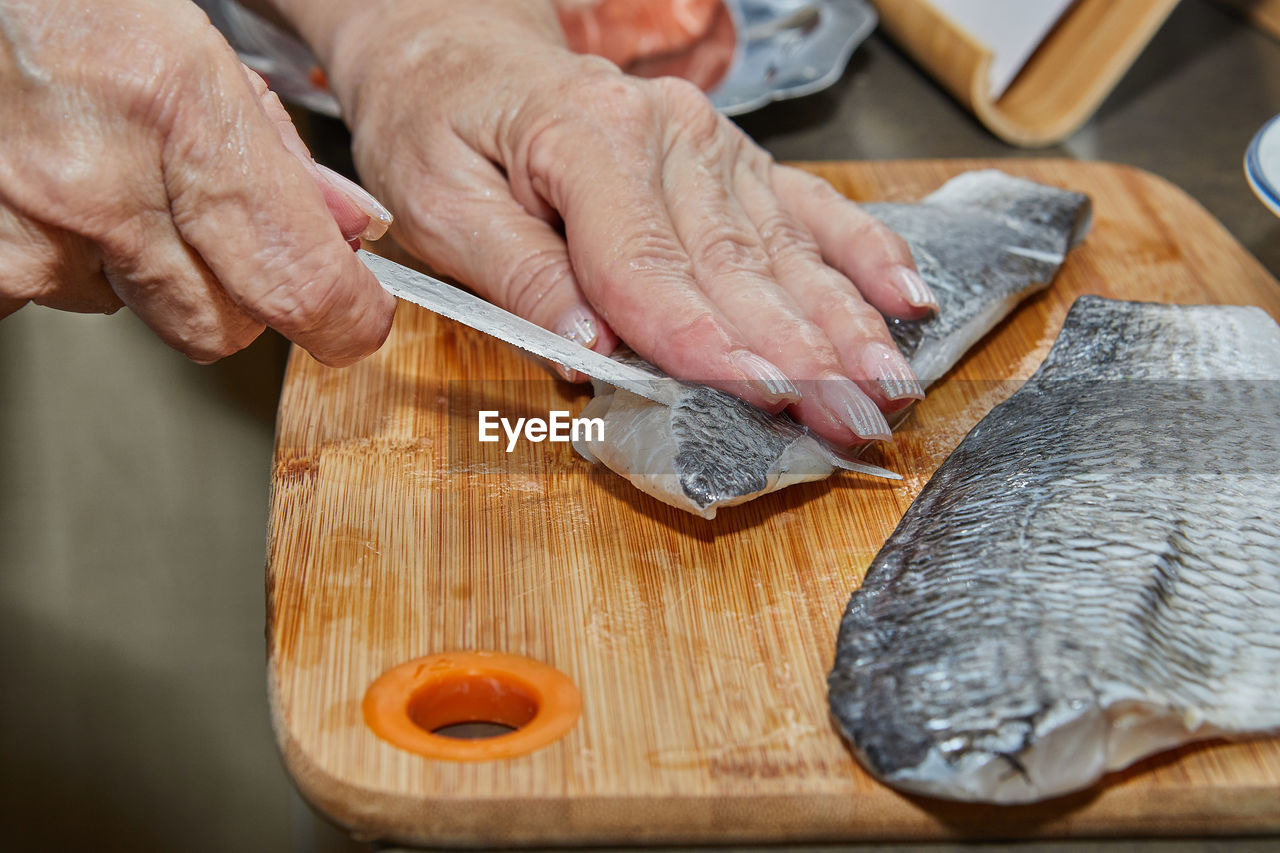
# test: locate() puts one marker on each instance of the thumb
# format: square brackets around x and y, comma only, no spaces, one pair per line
[357,213]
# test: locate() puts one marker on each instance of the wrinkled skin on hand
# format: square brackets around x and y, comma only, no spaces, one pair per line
[142,165]
[604,206]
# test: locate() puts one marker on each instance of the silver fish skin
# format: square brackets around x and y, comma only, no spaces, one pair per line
[710,450]
[1091,577]
[983,242]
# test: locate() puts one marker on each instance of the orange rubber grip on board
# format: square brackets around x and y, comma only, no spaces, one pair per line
[409,703]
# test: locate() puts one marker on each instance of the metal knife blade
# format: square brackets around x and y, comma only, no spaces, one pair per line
[471,310]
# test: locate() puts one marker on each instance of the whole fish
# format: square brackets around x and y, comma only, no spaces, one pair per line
[1092,576]
[983,242]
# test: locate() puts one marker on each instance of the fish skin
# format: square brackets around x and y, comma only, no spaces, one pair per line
[1091,577]
[952,234]
[713,450]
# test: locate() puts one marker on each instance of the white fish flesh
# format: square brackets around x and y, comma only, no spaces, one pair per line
[983,242]
[1091,577]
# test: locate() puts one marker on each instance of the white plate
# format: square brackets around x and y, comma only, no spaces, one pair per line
[1262,165]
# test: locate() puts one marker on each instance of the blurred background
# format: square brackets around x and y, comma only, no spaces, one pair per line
[133,484]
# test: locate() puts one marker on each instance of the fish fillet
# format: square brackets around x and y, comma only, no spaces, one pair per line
[983,242]
[1091,577]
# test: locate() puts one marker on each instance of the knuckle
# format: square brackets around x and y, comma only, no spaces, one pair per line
[695,332]
[693,114]
[614,97]
[814,188]
[299,295]
[123,242]
[31,260]
[166,79]
[220,343]
[728,249]
[870,234]
[211,328]
[838,304]
[895,245]
[26,276]
[655,251]
[684,96]
[784,234]
[600,97]
[535,276]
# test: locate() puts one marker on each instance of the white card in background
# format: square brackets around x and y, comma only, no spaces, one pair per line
[1012,29]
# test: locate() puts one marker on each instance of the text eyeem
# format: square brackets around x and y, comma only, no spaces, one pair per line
[558,426]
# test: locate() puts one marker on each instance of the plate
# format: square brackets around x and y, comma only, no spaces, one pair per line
[789,48]
[780,49]
[1262,164]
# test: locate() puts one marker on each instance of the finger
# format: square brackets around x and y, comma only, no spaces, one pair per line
[867,353]
[165,282]
[357,213]
[633,267]
[853,241]
[468,223]
[51,268]
[731,266]
[259,222]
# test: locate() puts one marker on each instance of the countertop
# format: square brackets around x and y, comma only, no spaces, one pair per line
[133,483]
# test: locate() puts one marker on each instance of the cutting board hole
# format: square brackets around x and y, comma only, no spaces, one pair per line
[472,706]
[493,699]
[474,731]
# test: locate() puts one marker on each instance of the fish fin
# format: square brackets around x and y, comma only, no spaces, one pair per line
[861,467]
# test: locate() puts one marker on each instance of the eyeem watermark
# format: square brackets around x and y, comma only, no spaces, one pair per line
[558,427]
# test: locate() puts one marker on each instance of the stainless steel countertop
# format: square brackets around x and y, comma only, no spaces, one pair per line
[133,484]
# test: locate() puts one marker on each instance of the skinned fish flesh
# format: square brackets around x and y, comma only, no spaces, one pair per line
[1091,577]
[983,242]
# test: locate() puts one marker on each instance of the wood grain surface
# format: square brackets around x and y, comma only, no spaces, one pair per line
[701,648]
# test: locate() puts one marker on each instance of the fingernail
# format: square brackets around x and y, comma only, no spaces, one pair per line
[913,288]
[568,375]
[766,379]
[578,326]
[891,372]
[852,408]
[379,216]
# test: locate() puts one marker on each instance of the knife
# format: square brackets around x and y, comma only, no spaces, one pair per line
[470,310]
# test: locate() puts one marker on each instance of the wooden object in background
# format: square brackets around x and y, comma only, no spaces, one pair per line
[701,648]
[1263,14]
[1058,89]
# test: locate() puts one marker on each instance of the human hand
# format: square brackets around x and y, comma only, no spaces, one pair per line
[142,165]
[603,206]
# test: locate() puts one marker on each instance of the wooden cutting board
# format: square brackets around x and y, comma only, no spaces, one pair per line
[700,648]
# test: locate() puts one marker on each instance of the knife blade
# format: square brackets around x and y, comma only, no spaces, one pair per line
[470,310]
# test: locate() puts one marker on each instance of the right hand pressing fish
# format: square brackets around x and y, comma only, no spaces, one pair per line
[142,165]
[604,206]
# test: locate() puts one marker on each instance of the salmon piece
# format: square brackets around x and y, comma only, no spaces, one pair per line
[624,31]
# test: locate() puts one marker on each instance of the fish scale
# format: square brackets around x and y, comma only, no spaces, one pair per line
[1105,617]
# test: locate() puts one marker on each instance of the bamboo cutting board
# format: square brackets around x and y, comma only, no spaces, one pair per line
[700,648]
[1071,72]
